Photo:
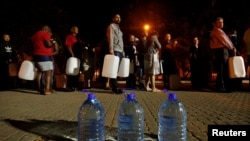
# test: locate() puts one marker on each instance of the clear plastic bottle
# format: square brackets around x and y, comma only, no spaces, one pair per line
[130,120]
[172,120]
[91,118]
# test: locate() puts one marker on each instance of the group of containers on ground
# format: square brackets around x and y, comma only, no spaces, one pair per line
[172,119]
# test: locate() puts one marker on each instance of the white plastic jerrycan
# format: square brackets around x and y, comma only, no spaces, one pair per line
[73,66]
[27,70]
[124,67]
[110,66]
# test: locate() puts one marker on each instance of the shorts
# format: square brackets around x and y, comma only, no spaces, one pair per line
[43,63]
[44,66]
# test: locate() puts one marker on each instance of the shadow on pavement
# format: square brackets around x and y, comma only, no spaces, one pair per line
[61,130]
[30,91]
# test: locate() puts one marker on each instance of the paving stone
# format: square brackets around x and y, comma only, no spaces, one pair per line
[28,116]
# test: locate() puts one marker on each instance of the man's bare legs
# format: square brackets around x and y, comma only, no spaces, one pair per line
[107,83]
[47,88]
[48,77]
[39,77]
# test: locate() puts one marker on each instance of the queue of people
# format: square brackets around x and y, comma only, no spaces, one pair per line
[147,55]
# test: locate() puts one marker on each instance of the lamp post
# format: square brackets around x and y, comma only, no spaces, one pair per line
[146,27]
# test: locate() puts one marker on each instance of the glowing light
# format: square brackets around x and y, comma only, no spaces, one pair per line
[146,27]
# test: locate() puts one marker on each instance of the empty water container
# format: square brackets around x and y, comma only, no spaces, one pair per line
[27,70]
[73,66]
[110,66]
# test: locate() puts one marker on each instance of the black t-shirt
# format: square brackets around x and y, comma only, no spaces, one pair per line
[7,52]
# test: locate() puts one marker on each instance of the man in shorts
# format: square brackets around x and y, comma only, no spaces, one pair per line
[42,55]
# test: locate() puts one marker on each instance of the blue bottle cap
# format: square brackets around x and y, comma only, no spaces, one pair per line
[91,96]
[172,96]
[131,96]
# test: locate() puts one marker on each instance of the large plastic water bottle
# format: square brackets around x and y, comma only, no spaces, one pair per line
[130,120]
[91,118]
[172,120]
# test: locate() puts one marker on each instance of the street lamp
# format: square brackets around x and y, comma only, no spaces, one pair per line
[146,27]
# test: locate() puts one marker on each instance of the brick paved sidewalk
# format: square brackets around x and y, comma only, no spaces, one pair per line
[28,116]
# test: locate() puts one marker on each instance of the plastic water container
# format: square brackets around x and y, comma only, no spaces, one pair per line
[130,120]
[172,120]
[110,66]
[236,66]
[27,70]
[73,66]
[124,67]
[91,118]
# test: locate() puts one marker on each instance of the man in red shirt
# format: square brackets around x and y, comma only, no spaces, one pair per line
[42,55]
[74,49]
[220,45]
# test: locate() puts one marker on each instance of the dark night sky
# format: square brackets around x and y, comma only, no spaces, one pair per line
[20,17]
[91,17]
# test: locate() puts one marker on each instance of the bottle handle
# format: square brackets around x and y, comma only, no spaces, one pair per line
[126,91]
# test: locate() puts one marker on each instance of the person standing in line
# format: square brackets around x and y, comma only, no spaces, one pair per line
[151,61]
[233,36]
[131,51]
[116,47]
[141,49]
[73,49]
[169,59]
[246,43]
[194,61]
[55,51]
[42,55]
[8,55]
[88,67]
[220,45]
[202,65]
[104,51]
[235,83]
